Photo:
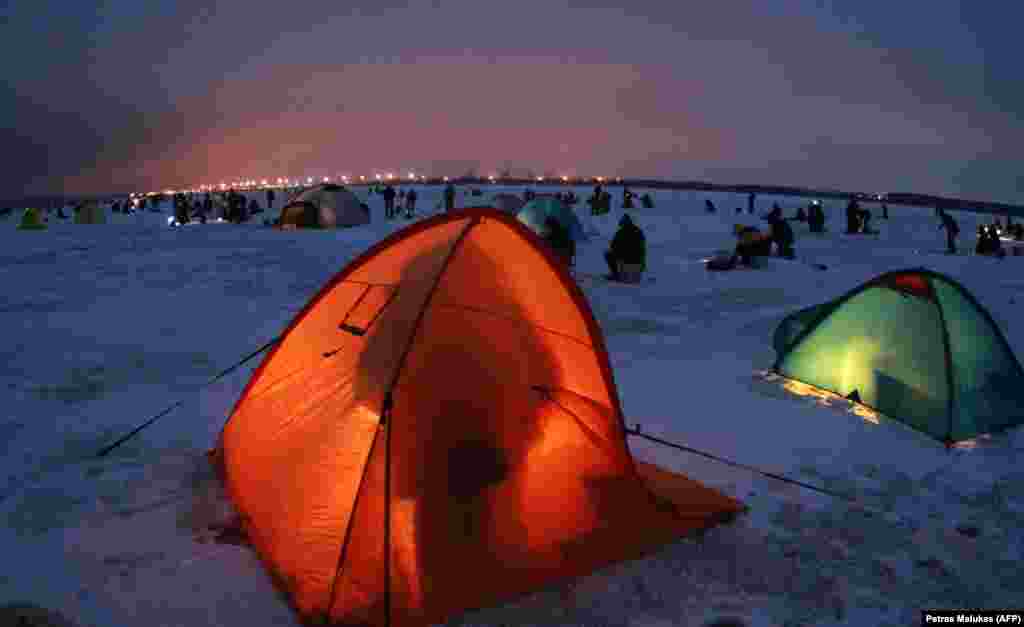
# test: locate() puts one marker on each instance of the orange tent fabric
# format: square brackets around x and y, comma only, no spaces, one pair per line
[438,430]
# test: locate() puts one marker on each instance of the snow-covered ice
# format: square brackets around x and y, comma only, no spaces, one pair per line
[103,326]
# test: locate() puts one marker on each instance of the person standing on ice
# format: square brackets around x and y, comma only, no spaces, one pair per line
[449,198]
[782,236]
[627,198]
[751,197]
[270,198]
[952,230]
[853,217]
[389,202]
[410,204]
[709,206]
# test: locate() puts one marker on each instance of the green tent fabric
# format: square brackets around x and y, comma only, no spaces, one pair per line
[534,213]
[30,220]
[914,345]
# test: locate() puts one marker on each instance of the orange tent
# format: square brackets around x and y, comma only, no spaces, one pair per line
[438,430]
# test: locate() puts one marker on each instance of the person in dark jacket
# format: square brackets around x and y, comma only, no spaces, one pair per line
[952,230]
[628,246]
[389,202]
[782,236]
[410,204]
[751,199]
[627,198]
[885,211]
[995,244]
[709,206]
[647,201]
[270,198]
[558,238]
[865,222]
[816,218]
[449,198]
[853,217]
[983,246]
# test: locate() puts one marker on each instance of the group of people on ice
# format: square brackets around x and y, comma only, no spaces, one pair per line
[406,202]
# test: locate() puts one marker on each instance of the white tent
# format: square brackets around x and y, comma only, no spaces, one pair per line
[325,206]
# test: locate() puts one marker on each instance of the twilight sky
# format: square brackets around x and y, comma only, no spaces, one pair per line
[873,95]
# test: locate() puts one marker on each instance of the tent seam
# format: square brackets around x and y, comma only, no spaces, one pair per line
[948,354]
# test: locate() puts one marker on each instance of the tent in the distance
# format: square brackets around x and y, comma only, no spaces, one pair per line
[443,407]
[30,220]
[534,213]
[324,206]
[90,212]
[914,345]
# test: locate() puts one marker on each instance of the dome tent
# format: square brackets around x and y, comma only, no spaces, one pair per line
[435,411]
[534,213]
[324,206]
[31,221]
[914,345]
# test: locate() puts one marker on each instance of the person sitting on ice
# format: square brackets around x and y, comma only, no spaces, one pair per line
[781,235]
[628,247]
[750,243]
[558,238]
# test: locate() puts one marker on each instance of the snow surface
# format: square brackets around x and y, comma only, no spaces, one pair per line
[103,326]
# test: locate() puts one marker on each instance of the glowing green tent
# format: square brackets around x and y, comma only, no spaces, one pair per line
[913,345]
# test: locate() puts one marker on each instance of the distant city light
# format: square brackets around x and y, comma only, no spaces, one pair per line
[540,178]
[362,178]
[446,179]
[412,175]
